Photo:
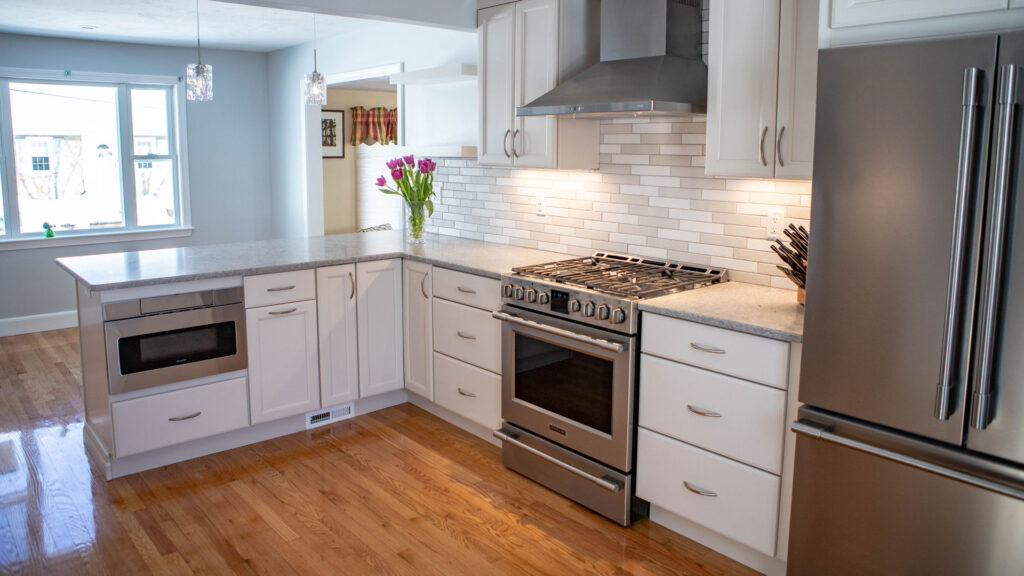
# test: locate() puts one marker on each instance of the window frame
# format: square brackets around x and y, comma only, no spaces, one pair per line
[13,238]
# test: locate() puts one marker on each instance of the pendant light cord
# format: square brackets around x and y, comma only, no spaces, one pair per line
[199,56]
[314,42]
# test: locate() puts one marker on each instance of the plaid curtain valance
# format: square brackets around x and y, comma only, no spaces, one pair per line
[374,125]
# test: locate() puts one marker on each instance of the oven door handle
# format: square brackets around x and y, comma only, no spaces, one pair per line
[603,344]
[610,486]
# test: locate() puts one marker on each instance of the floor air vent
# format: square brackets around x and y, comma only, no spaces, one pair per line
[321,417]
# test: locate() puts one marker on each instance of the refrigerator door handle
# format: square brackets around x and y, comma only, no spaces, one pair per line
[944,407]
[818,431]
[981,402]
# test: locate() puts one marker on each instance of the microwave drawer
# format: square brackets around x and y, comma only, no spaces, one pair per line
[280,288]
[151,422]
[468,289]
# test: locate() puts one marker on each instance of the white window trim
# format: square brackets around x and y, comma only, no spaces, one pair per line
[184,226]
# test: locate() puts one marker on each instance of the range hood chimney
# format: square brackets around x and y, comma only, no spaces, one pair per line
[650,64]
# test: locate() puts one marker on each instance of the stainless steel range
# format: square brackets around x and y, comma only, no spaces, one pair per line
[569,372]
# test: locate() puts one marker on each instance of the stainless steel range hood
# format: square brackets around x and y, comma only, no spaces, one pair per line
[650,64]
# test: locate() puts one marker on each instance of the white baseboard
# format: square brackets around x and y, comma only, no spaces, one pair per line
[38,323]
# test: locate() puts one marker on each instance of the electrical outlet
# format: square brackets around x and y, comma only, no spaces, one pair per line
[540,206]
[776,218]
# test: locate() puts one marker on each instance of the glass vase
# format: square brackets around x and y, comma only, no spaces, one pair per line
[417,217]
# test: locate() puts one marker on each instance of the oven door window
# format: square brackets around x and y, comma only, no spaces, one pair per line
[175,347]
[569,383]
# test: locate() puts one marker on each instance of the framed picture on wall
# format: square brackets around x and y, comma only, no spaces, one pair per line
[332,130]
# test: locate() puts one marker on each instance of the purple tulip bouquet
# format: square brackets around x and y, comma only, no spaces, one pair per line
[413,181]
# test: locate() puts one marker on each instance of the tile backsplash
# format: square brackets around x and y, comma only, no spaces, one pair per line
[650,197]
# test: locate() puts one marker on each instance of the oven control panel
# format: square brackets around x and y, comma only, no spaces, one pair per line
[581,305]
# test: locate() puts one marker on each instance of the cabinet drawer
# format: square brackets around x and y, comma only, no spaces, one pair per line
[469,334]
[468,391]
[745,502]
[469,289]
[161,420]
[750,357]
[751,418]
[270,289]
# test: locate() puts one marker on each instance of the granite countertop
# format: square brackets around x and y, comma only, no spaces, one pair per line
[151,267]
[758,310]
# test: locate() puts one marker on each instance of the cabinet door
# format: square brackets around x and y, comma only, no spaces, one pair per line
[743,59]
[496,37]
[419,369]
[336,306]
[798,88]
[536,72]
[284,376]
[379,307]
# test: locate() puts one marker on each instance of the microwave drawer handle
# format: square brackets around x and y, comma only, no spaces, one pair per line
[183,418]
[609,486]
[603,344]
[281,288]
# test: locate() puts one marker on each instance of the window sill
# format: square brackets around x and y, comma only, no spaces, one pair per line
[101,238]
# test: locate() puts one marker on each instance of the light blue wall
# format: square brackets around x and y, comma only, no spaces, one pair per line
[296,160]
[228,148]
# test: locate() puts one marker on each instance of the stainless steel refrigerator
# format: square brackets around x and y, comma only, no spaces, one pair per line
[910,449]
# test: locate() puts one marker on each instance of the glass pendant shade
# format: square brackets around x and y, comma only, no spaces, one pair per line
[199,82]
[315,88]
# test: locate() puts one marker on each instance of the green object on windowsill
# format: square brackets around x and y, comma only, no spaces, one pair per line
[49,230]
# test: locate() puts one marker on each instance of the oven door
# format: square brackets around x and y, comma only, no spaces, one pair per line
[569,383]
[165,348]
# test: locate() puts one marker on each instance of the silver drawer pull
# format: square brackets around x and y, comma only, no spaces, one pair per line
[700,491]
[465,290]
[706,348]
[281,288]
[282,312]
[466,394]
[466,336]
[702,411]
[180,418]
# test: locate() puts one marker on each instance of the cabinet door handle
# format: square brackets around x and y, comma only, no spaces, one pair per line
[778,147]
[351,286]
[181,418]
[703,411]
[466,336]
[698,490]
[281,288]
[466,394]
[423,287]
[282,312]
[515,135]
[465,290]
[504,143]
[706,348]
[760,147]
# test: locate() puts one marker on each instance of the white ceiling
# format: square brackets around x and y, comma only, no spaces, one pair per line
[169,22]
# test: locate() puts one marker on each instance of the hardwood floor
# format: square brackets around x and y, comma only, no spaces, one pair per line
[394,492]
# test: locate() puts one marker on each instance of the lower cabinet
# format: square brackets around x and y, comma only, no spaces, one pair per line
[468,391]
[336,311]
[152,422]
[379,311]
[418,334]
[284,372]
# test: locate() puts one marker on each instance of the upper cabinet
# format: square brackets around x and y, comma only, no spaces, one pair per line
[525,49]
[762,74]
[849,22]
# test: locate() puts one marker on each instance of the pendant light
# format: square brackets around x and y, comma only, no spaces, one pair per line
[313,85]
[198,76]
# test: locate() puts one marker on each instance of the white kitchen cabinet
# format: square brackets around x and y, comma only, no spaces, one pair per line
[418,334]
[284,372]
[379,311]
[762,74]
[336,311]
[525,49]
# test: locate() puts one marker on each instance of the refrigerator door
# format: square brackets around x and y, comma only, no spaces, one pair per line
[898,181]
[997,401]
[871,503]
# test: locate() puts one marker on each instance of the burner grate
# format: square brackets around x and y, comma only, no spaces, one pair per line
[627,276]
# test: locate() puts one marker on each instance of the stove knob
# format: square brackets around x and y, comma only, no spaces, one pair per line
[508,290]
[531,295]
[602,312]
[588,309]
[519,292]
[618,316]
[543,298]
[574,305]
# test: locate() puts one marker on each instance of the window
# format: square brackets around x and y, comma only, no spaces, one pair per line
[89,157]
